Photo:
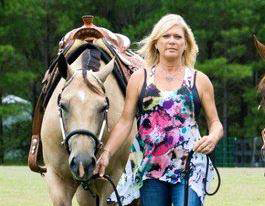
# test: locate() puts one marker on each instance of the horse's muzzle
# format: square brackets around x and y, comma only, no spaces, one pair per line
[82,167]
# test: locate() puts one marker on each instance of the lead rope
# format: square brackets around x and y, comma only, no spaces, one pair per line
[85,186]
[206,175]
[190,154]
[187,177]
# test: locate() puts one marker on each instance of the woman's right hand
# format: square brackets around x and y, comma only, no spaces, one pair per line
[102,163]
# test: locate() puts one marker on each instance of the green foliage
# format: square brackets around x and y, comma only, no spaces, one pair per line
[14,109]
[17,141]
[254,120]
[220,68]
[31,29]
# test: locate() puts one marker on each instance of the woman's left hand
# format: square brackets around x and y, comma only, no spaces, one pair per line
[205,145]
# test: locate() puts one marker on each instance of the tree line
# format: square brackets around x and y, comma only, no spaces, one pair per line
[31,29]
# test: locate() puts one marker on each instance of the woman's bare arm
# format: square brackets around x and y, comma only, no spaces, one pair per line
[123,128]
[206,92]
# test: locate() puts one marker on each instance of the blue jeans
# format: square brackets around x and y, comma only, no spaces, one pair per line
[158,193]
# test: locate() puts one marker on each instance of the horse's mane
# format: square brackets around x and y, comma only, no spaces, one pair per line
[90,61]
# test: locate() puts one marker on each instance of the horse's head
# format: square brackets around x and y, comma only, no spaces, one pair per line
[83,109]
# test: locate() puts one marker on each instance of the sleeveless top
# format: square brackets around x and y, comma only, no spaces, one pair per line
[167,131]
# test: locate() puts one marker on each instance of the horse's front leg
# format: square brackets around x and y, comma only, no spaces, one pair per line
[61,189]
[84,197]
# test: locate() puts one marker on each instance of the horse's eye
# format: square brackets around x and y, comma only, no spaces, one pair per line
[104,108]
[63,106]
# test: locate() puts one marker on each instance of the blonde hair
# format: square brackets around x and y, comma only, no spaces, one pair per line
[147,45]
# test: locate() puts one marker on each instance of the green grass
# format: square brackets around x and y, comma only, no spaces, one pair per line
[21,187]
[240,187]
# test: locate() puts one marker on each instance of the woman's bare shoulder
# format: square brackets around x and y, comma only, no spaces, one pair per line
[136,80]
[203,83]
[203,79]
[138,74]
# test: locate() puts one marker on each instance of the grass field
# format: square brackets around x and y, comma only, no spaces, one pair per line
[240,187]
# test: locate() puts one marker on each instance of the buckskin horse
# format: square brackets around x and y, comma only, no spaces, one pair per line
[84,106]
[83,98]
[261,88]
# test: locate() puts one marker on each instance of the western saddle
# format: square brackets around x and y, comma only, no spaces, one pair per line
[113,44]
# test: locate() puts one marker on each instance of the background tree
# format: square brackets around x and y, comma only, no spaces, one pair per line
[31,29]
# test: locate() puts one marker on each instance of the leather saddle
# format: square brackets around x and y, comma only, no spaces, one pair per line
[113,44]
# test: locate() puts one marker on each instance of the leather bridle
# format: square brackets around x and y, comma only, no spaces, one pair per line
[68,135]
[97,139]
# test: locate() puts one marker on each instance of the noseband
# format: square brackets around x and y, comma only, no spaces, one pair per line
[89,134]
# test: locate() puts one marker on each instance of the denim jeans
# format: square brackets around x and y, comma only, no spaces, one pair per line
[158,193]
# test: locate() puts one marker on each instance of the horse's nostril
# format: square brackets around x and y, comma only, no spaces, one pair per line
[82,166]
[73,164]
[93,161]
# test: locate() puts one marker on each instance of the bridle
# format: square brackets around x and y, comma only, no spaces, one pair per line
[89,134]
[67,136]
[97,139]
[70,59]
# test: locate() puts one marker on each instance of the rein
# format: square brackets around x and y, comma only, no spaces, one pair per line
[85,186]
[187,177]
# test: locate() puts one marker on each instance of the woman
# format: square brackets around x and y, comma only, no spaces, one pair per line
[169,93]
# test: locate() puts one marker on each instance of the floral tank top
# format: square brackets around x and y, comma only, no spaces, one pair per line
[167,131]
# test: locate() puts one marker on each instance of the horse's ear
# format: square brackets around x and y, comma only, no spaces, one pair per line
[106,70]
[260,47]
[62,66]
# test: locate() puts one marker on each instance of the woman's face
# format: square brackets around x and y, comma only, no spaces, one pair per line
[172,43]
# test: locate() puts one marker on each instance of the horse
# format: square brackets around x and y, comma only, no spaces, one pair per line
[261,88]
[86,98]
